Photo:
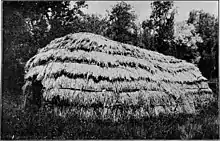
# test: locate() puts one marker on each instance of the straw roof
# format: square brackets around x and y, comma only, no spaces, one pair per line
[89,71]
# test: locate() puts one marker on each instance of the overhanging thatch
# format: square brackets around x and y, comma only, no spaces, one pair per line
[98,77]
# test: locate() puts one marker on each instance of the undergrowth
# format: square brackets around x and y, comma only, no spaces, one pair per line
[18,124]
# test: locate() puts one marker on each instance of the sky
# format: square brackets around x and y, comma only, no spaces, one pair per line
[143,8]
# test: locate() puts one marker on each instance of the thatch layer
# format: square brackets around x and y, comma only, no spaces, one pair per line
[123,86]
[89,72]
[109,98]
[55,69]
[105,60]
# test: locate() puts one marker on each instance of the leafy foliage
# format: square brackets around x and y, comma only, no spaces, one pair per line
[148,38]
[207,26]
[94,24]
[121,26]
[29,26]
[186,40]
[160,25]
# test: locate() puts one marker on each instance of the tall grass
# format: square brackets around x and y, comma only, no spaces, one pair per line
[18,124]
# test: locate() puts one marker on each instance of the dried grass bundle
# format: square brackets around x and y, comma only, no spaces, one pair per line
[94,77]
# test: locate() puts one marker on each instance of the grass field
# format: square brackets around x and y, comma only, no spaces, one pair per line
[17,124]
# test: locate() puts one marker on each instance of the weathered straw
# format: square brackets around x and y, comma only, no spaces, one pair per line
[124,73]
[94,77]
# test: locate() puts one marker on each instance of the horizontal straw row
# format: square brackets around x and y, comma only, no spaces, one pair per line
[175,89]
[92,42]
[151,102]
[56,69]
[105,60]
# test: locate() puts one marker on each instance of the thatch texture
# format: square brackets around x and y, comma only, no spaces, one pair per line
[92,76]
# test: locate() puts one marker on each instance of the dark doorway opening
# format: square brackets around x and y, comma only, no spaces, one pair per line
[33,95]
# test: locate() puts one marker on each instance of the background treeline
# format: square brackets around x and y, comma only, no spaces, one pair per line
[28,26]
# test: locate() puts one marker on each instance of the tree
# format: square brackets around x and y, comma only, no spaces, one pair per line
[94,24]
[28,26]
[186,40]
[148,36]
[121,23]
[15,40]
[161,24]
[207,26]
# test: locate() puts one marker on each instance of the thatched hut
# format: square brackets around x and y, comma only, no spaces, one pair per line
[94,77]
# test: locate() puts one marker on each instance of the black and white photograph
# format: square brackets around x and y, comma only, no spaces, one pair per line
[110,70]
